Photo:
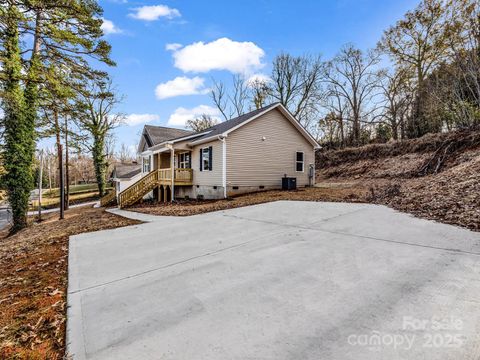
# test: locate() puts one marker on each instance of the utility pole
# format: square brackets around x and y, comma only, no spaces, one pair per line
[67,172]
[62,185]
[40,183]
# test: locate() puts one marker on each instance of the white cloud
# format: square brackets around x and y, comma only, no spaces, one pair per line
[154,12]
[262,78]
[173,47]
[136,119]
[221,54]
[181,115]
[181,85]
[108,27]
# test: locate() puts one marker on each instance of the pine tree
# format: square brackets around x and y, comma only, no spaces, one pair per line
[18,157]
[66,36]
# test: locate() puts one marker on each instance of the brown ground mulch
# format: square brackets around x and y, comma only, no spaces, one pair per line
[451,196]
[434,177]
[342,192]
[33,282]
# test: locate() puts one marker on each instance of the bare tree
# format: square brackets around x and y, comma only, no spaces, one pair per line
[201,123]
[82,169]
[95,115]
[258,91]
[125,154]
[352,75]
[397,101]
[418,43]
[463,28]
[338,108]
[220,98]
[296,83]
[231,103]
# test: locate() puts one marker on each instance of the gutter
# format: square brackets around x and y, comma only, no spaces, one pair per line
[222,138]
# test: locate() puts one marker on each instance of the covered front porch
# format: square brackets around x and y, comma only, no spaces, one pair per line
[163,170]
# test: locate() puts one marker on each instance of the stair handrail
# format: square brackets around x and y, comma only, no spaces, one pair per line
[137,187]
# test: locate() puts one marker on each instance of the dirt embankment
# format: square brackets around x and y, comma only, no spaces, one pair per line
[435,177]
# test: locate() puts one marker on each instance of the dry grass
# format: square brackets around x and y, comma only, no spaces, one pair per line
[340,192]
[33,273]
[450,195]
[49,202]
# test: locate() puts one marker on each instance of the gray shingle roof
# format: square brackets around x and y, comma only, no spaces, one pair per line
[159,134]
[126,171]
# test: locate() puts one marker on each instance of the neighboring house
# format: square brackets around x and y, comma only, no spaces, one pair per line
[124,175]
[249,153]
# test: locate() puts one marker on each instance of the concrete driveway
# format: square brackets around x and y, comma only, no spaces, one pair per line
[5,216]
[284,280]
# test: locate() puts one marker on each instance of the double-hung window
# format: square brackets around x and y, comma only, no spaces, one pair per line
[146,164]
[206,159]
[184,160]
[299,161]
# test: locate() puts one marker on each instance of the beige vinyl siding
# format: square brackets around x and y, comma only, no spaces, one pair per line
[252,161]
[213,177]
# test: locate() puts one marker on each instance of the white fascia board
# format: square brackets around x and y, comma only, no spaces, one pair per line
[163,146]
[146,153]
[191,136]
[208,139]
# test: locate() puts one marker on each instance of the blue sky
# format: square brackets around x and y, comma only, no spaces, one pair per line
[168,51]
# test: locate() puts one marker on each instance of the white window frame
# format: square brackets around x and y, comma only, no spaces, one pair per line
[146,162]
[183,164]
[206,152]
[300,162]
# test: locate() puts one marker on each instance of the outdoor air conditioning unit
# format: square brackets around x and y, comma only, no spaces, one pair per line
[289,183]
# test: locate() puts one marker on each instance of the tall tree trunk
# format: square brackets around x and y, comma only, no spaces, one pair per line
[17,155]
[356,128]
[99,163]
[67,172]
[394,127]
[342,133]
[49,175]
[59,149]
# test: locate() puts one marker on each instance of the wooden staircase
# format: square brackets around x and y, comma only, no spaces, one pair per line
[153,179]
[109,198]
[138,190]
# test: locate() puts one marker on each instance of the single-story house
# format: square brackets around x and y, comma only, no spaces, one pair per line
[249,153]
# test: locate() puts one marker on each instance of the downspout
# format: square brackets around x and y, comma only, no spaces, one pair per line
[222,138]
[172,165]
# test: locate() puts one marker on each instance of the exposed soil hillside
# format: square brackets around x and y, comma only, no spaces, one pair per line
[435,177]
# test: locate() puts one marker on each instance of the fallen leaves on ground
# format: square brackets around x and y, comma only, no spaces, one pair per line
[345,192]
[33,285]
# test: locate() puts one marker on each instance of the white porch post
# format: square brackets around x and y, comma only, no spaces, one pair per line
[172,166]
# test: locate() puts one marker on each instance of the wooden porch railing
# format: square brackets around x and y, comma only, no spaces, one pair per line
[183,176]
[108,198]
[138,190]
